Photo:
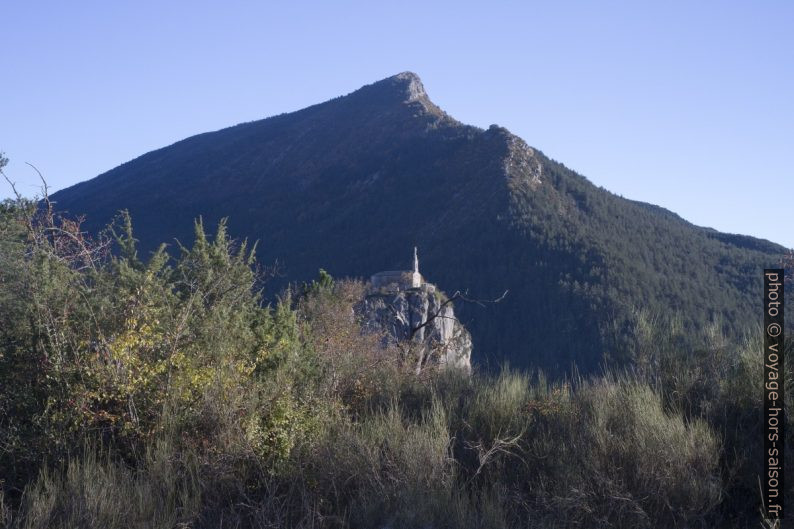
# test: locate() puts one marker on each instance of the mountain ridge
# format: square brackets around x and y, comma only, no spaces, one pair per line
[351,183]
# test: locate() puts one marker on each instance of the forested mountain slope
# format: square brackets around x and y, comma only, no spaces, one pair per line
[353,184]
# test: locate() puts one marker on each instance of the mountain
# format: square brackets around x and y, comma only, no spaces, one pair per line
[353,184]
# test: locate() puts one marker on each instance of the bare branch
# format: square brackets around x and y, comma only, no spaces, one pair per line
[12,184]
[45,189]
[457,295]
[501,445]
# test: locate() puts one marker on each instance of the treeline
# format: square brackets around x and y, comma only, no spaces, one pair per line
[164,392]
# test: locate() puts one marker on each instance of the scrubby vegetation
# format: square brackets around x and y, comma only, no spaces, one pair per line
[163,392]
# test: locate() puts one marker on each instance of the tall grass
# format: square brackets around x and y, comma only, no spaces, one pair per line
[507,450]
[95,491]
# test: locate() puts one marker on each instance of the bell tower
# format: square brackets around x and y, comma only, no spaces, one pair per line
[416,277]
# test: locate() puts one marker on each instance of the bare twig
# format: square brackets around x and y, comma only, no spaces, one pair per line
[500,445]
[12,184]
[457,295]
[45,187]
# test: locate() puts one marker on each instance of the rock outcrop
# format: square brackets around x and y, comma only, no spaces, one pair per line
[421,320]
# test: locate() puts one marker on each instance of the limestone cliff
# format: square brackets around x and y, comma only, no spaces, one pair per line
[421,321]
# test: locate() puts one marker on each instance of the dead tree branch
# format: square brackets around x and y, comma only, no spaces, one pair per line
[463,296]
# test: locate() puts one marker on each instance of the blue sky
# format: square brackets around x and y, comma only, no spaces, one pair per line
[689,105]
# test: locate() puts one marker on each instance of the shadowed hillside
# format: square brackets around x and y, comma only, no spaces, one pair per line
[354,183]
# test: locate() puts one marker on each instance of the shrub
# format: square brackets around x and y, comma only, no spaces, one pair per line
[203,406]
